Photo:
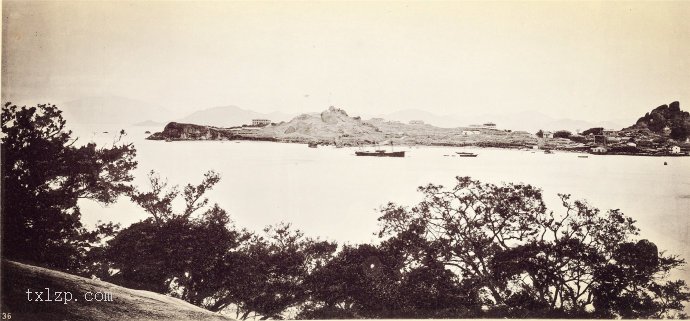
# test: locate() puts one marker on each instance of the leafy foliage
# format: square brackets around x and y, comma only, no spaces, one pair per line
[530,262]
[368,281]
[562,134]
[205,260]
[158,201]
[274,268]
[44,175]
[594,131]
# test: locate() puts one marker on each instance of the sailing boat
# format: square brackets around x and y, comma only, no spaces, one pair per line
[382,153]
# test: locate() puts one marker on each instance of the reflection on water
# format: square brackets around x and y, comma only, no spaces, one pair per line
[331,193]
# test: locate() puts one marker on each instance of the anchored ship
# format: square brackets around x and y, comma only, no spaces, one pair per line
[382,153]
[466,154]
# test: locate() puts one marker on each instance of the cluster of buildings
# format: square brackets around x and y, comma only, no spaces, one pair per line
[626,141]
[612,140]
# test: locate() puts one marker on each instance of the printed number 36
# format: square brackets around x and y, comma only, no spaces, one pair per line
[6,316]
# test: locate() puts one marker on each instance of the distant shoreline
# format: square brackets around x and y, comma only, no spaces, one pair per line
[517,148]
[335,127]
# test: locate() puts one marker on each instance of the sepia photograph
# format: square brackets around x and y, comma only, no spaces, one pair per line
[270,160]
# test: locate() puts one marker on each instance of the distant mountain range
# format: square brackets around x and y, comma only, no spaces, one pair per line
[228,116]
[126,111]
[149,123]
[112,110]
[530,121]
[115,110]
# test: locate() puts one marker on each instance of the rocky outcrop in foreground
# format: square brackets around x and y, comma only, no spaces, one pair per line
[126,304]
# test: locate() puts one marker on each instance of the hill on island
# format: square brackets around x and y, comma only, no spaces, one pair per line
[666,120]
[126,304]
[329,125]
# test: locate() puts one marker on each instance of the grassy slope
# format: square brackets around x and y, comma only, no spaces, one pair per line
[127,304]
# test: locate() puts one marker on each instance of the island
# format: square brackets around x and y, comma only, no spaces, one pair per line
[663,131]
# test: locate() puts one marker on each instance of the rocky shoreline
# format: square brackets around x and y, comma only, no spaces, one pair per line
[334,127]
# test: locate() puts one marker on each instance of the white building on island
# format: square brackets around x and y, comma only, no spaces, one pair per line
[599,150]
[261,122]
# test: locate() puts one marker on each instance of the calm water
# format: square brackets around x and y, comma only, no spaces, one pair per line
[330,193]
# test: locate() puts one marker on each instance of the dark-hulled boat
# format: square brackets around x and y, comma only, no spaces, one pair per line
[313,145]
[381,153]
[466,154]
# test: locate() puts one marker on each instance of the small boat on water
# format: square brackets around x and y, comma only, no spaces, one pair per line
[147,132]
[583,156]
[313,145]
[466,154]
[548,151]
[381,153]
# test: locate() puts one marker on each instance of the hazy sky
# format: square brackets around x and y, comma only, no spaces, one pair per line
[592,61]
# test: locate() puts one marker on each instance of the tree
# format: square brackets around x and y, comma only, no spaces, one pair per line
[540,134]
[594,131]
[158,201]
[44,175]
[380,281]
[531,262]
[270,277]
[203,259]
[360,282]
[562,134]
[679,133]
[181,257]
[175,252]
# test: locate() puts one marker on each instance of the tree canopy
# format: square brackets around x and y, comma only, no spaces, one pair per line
[528,261]
[44,174]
